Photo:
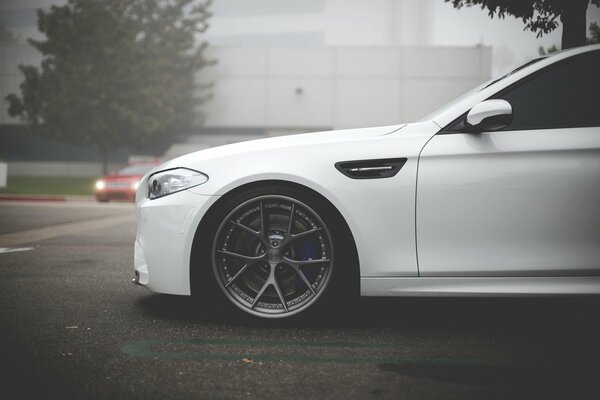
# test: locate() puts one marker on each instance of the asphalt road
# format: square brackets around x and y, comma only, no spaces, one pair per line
[73,326]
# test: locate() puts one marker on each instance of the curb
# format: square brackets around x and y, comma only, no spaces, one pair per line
[80,198]
[44,197]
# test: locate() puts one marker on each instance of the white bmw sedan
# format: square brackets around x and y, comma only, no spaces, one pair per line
[496,194]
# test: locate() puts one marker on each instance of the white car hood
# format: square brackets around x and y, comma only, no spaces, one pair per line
[288,141]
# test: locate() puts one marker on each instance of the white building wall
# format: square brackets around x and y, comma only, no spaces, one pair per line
[355,22]
[378,22]
[337,87]
[322,22]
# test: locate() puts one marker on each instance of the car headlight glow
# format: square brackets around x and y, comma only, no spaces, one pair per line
[135,185]
[174,180]
[100,185]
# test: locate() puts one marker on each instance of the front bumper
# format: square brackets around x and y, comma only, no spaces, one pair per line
[165,233]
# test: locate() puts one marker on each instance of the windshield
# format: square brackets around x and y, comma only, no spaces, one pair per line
[484,85]
[135,169]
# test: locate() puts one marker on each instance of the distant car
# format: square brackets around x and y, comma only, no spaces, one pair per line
[123,183]
[495,194]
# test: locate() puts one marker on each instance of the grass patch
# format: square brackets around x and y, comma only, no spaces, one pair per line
[49,185]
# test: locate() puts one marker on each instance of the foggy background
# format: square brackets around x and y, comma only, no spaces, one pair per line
[286,66]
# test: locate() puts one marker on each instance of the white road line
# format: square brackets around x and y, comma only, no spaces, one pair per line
[36,235]
[14,250]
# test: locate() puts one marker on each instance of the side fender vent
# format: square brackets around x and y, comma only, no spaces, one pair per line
[371,169]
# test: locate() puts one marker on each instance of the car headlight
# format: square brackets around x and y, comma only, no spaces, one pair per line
[100,185]
[174,180]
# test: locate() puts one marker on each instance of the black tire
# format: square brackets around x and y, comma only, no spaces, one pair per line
[269,272]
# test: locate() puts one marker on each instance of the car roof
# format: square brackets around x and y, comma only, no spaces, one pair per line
[449,114]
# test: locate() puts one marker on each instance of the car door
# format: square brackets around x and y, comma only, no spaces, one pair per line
[524,200]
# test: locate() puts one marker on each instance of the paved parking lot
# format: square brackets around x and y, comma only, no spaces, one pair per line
[73,326]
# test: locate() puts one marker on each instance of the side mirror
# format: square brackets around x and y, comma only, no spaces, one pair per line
[489,115]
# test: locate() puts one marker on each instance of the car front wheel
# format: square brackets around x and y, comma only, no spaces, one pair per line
[273,253]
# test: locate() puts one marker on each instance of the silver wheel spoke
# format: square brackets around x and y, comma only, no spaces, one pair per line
[246,228]
[303,277]
[279,293]
[256,234]
[305,262]
[241,256]
[263,222]
[237,274]
[305,233]
[291,222]
[260,293]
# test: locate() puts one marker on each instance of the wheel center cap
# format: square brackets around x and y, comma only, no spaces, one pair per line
[273,255]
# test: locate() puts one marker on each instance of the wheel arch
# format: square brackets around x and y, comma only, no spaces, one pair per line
[198,274]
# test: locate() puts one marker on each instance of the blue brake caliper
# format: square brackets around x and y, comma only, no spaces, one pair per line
[308,250]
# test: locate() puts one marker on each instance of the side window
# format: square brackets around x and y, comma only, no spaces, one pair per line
[564,95]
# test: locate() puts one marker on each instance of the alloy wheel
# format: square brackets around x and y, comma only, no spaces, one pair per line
[272,256]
